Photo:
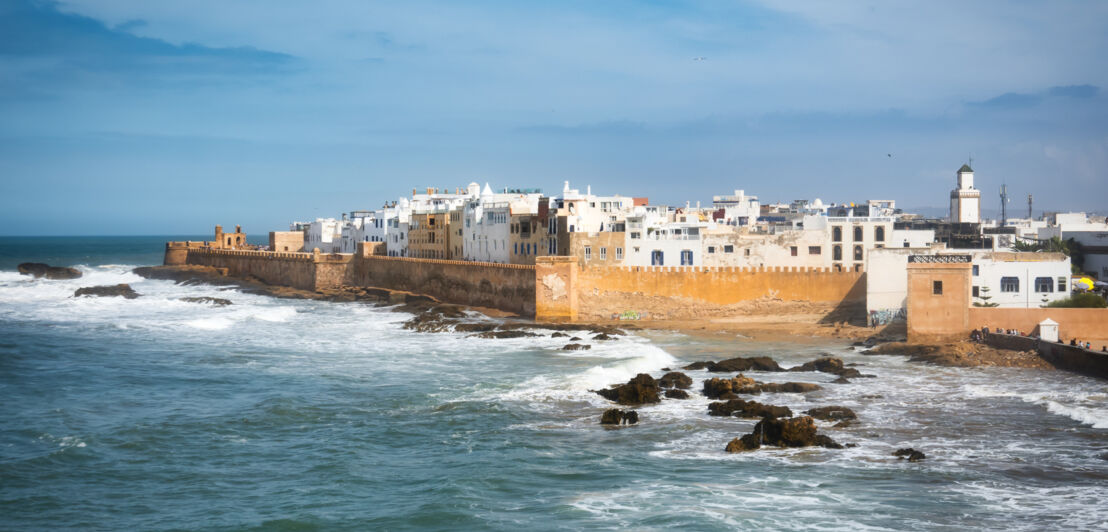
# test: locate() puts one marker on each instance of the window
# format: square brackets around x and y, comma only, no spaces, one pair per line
[836,252]
[905,243]
[515,248]
[1044,284]
[937,288]
[588,252]
[1009,284]
[857,252]
[603,253]
[976,291]
[728,249]
[792,250]
[619,253]
[879,233]
[711,249]
[1062,284]
[686,257]
[657,258]
[815,250]
[976,270]
[858,234]
[837,234]
[635,235]
[746,252]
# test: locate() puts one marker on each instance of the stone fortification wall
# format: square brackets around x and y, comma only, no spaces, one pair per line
[671,290]
[305,271]
[1076,359]
[509,287]
[1086,324]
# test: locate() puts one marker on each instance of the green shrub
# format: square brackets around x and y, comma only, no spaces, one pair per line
[1086,300]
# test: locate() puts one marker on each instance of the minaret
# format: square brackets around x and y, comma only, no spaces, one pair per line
[965,201]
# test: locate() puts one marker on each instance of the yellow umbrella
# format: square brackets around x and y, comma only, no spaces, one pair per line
[1083,283]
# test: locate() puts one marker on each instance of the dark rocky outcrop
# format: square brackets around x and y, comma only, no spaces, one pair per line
[475,327]
[674,393]
[719,388]
[217,301]
[120,290]
[699,365]
[615,416]
[503,334]
[830,365]
[832,413]
[576,347]
[778,387]
[747,409]
[559,335]
[642,389]
[841,380]
[602,337]
[732,365]
[782,432]
[675,379]
[911,454]
[39,270]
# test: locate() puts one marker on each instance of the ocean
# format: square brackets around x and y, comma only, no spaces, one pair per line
[277,414]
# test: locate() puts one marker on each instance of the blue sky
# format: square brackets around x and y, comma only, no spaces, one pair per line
[138,117]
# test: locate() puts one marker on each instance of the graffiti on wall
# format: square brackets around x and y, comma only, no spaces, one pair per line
[886,316]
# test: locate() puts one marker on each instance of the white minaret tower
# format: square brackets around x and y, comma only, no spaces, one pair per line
[965,201]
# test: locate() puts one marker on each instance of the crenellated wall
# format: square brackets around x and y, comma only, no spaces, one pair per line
[509,287]
[306,271]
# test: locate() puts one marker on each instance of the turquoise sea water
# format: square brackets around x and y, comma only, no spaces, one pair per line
[271,414]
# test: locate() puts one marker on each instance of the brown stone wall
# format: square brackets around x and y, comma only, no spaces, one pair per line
[725,286]
[284,269]
[509,287]
[1086,324]
[938,317]
[556,288]
[292,241]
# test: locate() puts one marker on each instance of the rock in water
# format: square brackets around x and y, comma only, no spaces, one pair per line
[640,390]
[38,269]
[748,442]
[122,290]
[503,334]
[616,416]
[717,388]
[778,387]
[744,364]
[576,347]
[674,393]
[911,454]
[699,365]
[782,432]
[832,413]
[824,364]
[675,379]
[748,409]
[217,301]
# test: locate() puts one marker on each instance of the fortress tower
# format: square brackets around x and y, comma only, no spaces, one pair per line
[965,201]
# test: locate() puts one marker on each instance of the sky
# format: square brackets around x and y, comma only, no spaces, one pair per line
[138,117]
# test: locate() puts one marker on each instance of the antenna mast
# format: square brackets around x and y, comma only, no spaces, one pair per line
[1003,205]
[1029,206]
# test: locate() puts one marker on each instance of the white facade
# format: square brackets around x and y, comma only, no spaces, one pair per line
[486,231]
[965,201]
[887,283]
[324,234]
[396,229]
[738,209]
[667,244]
[911,238]
[1020,280]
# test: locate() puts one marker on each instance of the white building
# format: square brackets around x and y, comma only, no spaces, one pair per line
[1019,280]
[738,209]
[487,219]
[324,234]
[965,201]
